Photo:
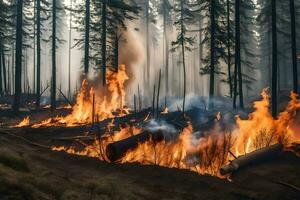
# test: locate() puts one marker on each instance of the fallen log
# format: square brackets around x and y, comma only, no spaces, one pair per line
[251,158]
[116,150]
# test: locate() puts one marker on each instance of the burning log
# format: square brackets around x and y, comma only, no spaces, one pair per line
[251,158]
[115,151]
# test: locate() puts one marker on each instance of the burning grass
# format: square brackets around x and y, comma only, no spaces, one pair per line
[205,154]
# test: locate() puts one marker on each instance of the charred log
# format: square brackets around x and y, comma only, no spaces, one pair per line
[115,151]
[259,155]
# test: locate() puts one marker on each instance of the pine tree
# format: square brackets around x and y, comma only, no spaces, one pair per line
[184,42]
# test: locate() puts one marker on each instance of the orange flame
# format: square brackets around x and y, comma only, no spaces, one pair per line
[206,154]
[106,103]
[23,123]
[165,111]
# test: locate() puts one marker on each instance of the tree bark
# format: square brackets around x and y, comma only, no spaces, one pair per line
[294,46]
[53,83]
[38,52]
[166,45]
[1,79]
[238,66]
[212,56]
[274,61]
[104,42]
[87,37]
[183,54]
[147,78]
[18,60]
[70,51]
[228,50]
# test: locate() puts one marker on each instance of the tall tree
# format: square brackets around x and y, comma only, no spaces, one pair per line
[212,53]
[294,46]
[70,48]
[229,48]
[165,9]
[103,47]
[87,37]
[38,48]
[238,67]
[41,15]
[53,79]
[274,60]
[184,42]
[18,60]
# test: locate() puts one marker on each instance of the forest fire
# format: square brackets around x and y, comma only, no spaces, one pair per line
[24,122]
[204,154]
[95,104]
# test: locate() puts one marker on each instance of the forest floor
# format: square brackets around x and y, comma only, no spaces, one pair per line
[30,170]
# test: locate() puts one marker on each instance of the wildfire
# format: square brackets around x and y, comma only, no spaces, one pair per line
[23,123]
[95,104]
[206,154]
[165,111]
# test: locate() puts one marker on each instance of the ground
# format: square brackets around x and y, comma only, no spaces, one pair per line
[28,171]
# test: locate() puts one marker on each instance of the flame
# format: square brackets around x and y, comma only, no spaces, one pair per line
[165,111]
[92,104]
[23,123]
[205,154]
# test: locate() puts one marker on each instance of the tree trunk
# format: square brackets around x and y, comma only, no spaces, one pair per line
[294,46]
[166,45]
[34,46]
[147,78]
[4,72]
[238,53]
[87,37]
[183,54]
[104,42]
[53,83]
[38,52]
[274,60]
[228,50]
[1,79]
[18,60]
[212,56]
[70,51]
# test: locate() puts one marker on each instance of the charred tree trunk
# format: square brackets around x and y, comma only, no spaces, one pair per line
[103,49]
[212,55]
[38,52]
[251,158]
[53,82]
[115,151]
[294,46]
[18,60]
[274,60]
[87,37]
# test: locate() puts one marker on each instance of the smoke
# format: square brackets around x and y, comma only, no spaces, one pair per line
[131,53]
[169,131]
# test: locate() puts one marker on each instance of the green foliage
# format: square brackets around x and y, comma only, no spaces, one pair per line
[184,17]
